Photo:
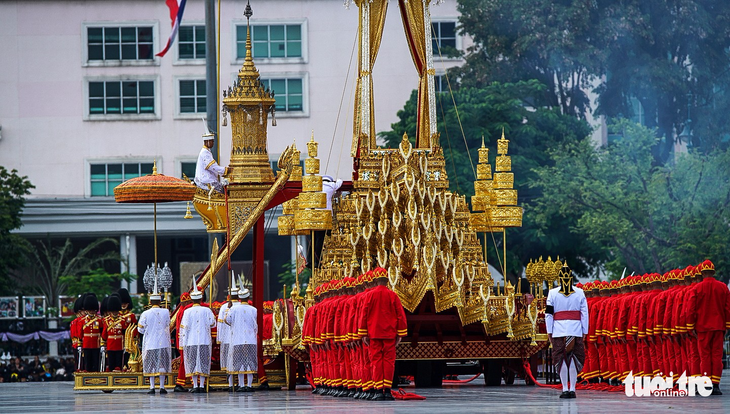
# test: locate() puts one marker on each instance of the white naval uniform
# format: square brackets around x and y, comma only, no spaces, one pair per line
[223,335]
[154,324]
[207,171]
[243,357]
[195,337]
[574,302]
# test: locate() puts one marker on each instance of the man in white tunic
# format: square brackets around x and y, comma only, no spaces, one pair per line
[154,324]
[224,331]
[244,330]
[195,337]
[207,170]
[566,320]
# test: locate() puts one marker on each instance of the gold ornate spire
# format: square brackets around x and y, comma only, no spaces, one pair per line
[249,104]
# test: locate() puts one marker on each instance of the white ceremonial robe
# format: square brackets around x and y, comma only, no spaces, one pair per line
[207,170]
[574,302]
[223,335]
[243,358]
[195,338]
[154,324]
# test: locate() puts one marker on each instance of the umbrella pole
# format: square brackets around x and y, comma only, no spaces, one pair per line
[155,204]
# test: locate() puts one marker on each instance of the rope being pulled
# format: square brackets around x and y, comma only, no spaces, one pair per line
[447,381]
[582,385]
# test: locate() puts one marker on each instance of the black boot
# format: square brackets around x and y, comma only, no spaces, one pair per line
[387,396]
[264,386]
[179,388]
[378,396]
[716,389]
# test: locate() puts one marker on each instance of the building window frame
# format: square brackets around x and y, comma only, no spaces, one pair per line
[179,169]
[457,38]
[85,62]
[195,61]
[304,76]
[303,23]
[122,116]
[114,161]
[179,114]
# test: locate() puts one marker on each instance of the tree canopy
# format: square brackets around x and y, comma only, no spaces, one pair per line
[652,52]
[648,218]
[13,189]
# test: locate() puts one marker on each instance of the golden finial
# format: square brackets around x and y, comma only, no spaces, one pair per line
[154,167]
[502,144]
[483,138]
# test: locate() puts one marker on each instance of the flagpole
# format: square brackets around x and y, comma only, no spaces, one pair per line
[211,84]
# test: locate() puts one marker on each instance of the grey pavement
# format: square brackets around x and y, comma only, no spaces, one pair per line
[59,397]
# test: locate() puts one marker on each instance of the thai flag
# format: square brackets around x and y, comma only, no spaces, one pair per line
[177,7]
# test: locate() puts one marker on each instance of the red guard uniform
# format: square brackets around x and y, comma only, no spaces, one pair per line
[91,342]
[709,317]
[112,336]
[383,320]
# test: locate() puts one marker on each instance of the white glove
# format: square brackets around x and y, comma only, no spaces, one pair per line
[103,349]
[79,349]
[224,181]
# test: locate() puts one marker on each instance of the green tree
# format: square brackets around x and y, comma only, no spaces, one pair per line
[653,52]
[13,189]
[53,266]
[287,276]
[645,217]
[97,280]
[532,131]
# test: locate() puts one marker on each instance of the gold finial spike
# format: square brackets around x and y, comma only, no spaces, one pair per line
[312,138]
[154,167]
[483,138]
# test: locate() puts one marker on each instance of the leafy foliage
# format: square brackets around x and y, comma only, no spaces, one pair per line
[287,276]
[97,280]
[645,217]
[13,189]
[55,267]
[651,51]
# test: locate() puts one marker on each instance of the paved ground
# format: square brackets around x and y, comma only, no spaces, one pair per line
[59,397]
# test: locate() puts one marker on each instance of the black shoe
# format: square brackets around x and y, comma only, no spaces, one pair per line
[250,389]
[179,388]
[716,390]
[264,386]
[351,393]
[367,395]
[193,390]
[315,390]
[565,394]
[151,392]
[572,394]
[378,396]
[163,391]
[387,396]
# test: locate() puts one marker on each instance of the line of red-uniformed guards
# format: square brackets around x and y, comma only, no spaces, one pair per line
[656,324]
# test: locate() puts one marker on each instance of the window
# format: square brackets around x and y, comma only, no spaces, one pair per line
[191,42]
[271,41]
[443,36]
[104,177]
[288,93]
[121,97]
[187,169]
[119,43]
[192,96]
[440,84]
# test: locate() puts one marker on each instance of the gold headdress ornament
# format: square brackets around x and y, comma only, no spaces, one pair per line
[565,276]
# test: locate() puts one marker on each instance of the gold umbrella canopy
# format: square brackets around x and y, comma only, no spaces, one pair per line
[154,188]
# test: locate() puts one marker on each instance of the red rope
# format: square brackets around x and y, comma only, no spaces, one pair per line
[583,385]
[462,381]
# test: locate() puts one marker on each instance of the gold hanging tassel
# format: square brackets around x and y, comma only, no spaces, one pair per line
[188,213]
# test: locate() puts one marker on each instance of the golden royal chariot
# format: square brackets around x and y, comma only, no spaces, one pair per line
[397,213]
